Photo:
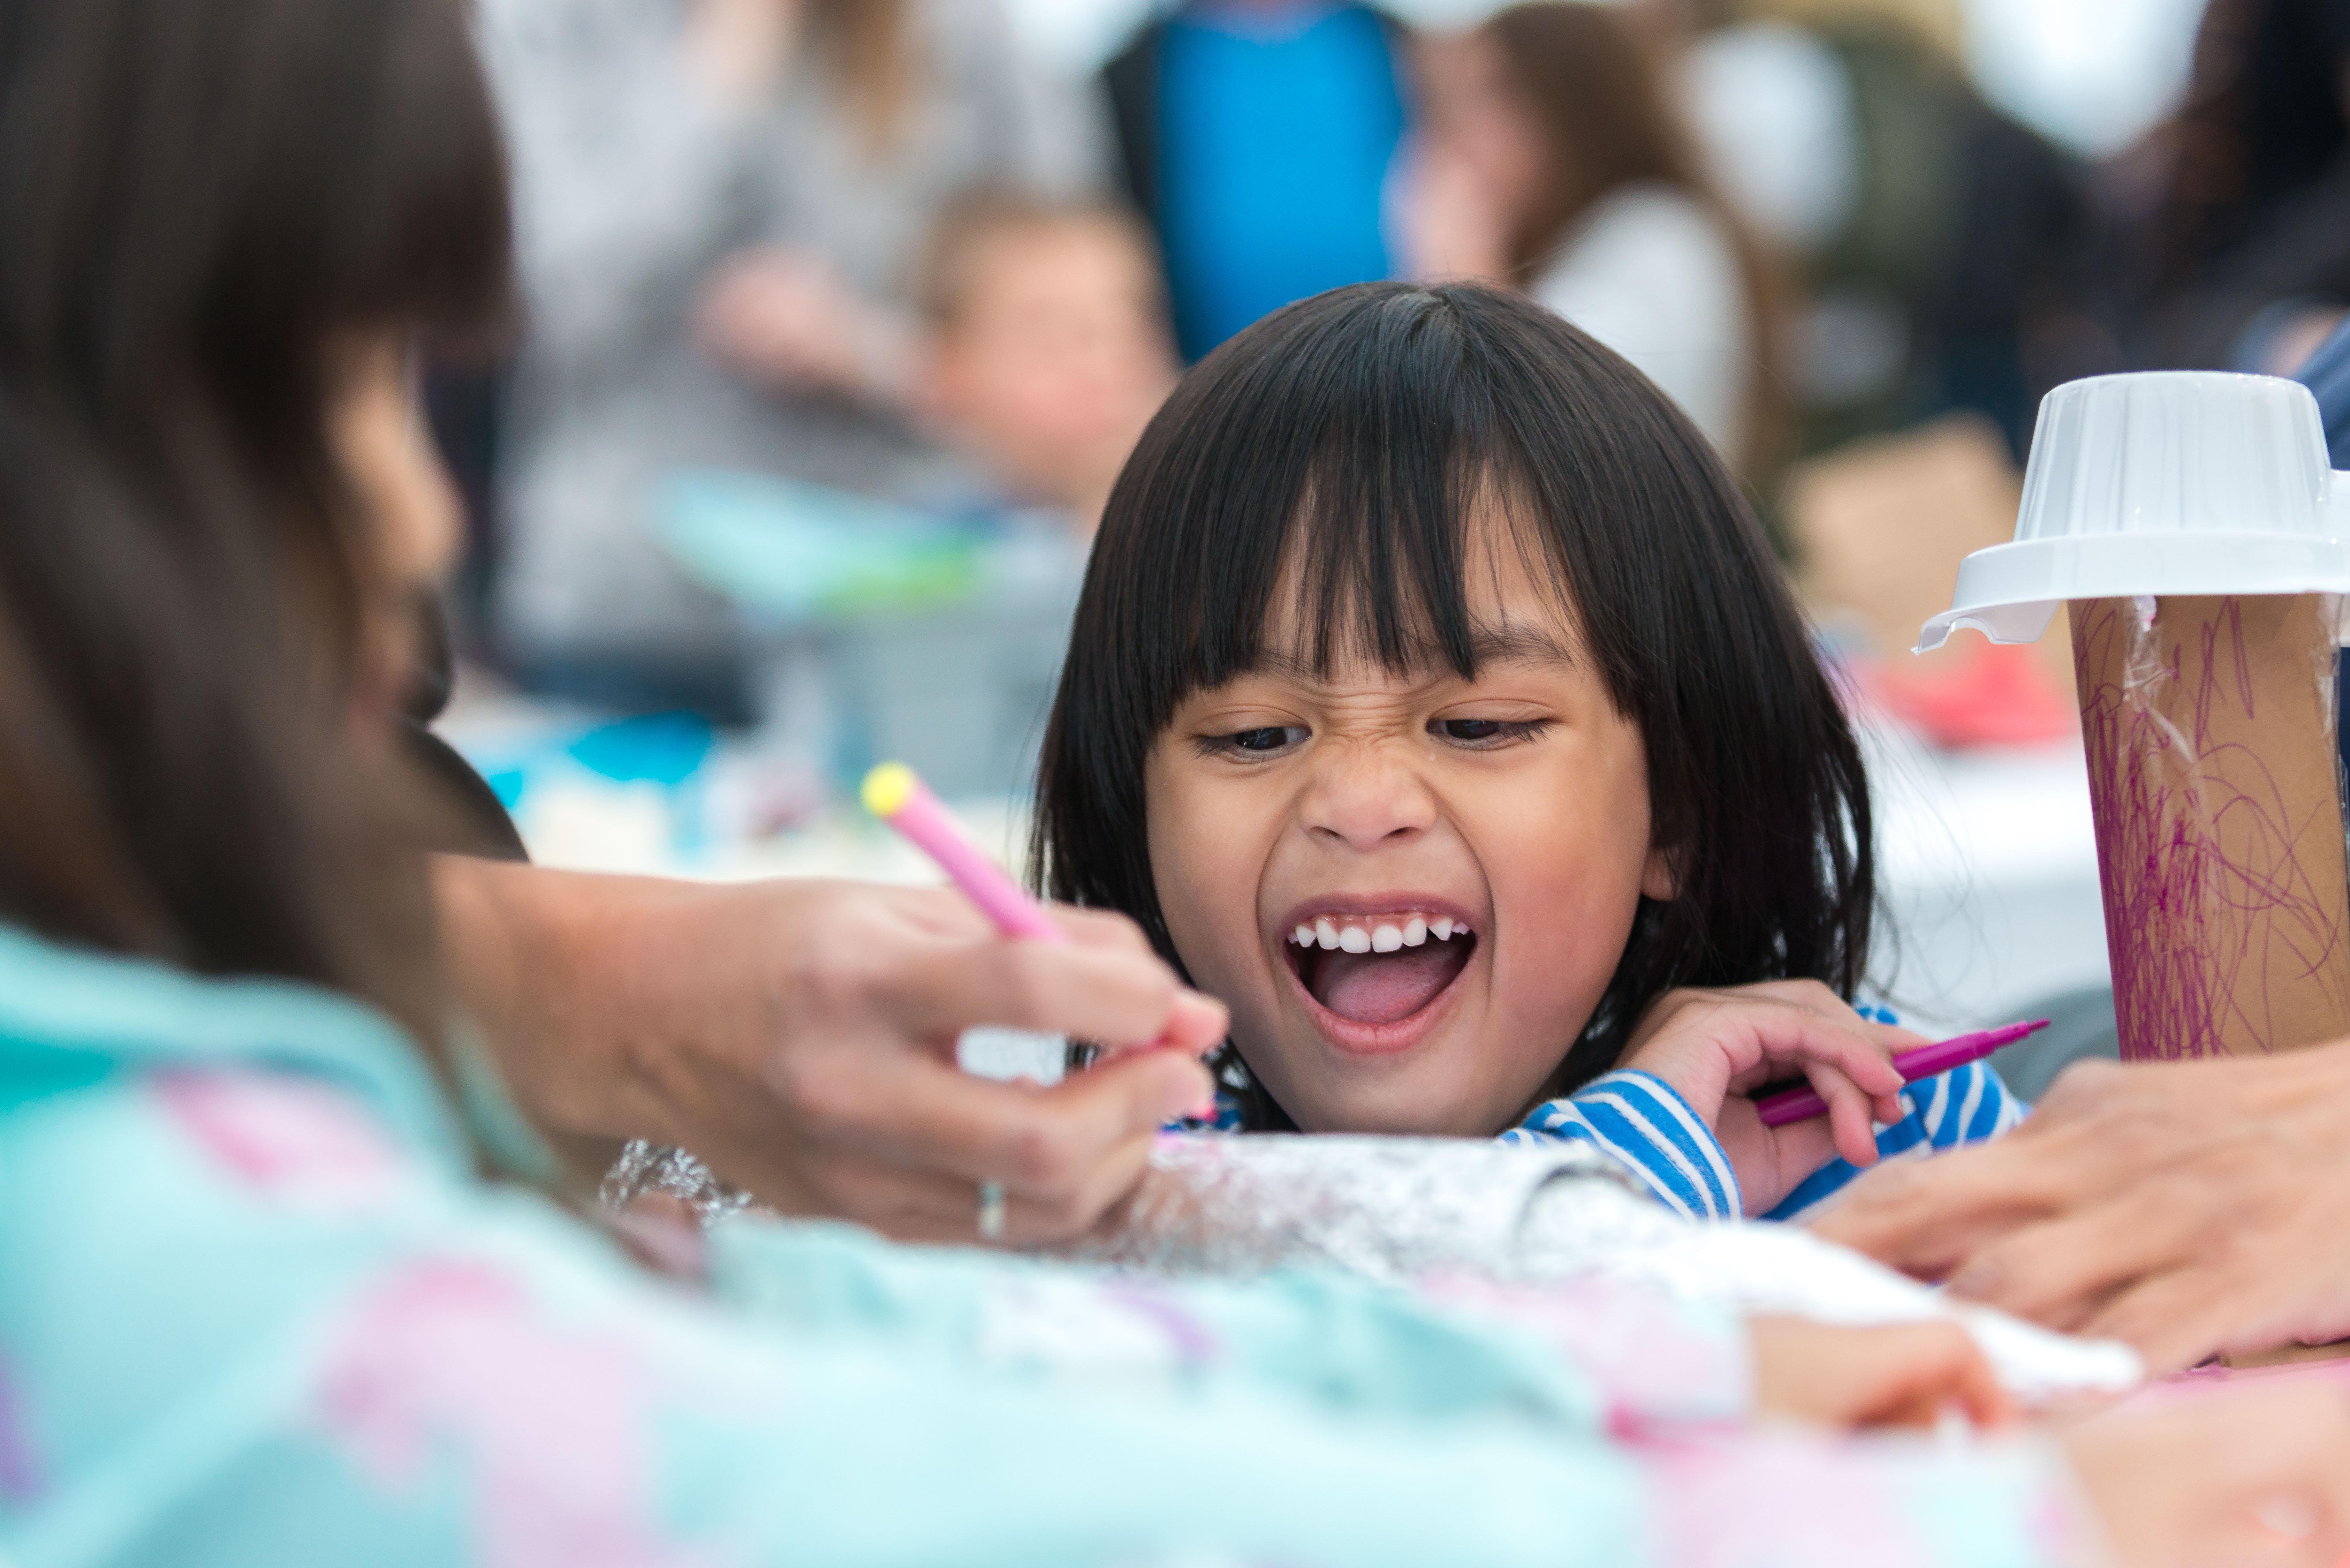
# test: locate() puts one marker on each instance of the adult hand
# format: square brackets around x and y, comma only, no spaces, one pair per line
[799,1038]
[2188,1207]
[1716,1047]
[2250,1478]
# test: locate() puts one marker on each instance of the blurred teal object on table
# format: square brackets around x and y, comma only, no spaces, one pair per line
[883,631]
[795,551]
[666,749]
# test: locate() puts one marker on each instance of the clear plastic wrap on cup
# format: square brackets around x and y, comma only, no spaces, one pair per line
[2209,728]
[2195,526]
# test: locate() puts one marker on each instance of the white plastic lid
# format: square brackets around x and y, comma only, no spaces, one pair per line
[2164,481]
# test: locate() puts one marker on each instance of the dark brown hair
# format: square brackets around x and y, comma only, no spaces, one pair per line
[1351,436]
[867,48]
[202,204]
[1591,82]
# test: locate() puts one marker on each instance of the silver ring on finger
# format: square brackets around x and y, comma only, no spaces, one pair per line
[992,1209]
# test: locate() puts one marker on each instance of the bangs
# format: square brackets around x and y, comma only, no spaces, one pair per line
[1374,567]
[1351,485]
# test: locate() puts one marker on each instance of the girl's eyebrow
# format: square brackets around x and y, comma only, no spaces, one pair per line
[1490,642]
[1517,642]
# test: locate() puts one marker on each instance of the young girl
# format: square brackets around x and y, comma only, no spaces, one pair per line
[1435,703]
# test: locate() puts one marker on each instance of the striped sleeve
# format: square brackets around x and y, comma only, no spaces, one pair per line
[1644,1123]
[1966,1104]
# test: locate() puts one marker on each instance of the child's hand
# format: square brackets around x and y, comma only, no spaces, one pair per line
[1886,1375]
[1716,1047]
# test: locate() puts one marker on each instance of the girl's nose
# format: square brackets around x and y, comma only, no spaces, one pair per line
[1365,798]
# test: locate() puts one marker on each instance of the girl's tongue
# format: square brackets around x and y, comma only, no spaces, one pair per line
[1383,988]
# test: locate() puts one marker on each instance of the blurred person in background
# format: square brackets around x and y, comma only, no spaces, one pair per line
[1940,248]
[1048,347]
[1555,159]
[2252,241]
[1256,137]
[722,208]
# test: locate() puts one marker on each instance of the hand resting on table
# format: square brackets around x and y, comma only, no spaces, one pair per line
[2189,1208]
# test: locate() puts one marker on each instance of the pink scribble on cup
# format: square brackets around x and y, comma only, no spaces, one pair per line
[2212,781]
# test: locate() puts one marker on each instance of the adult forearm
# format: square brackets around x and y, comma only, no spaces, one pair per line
[548,965]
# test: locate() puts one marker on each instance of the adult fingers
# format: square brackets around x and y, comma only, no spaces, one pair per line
[2236,1298]
[2058,1272]
[1047,1145]
[1100,929]
[913,1205]
[1925,1216]
[2174,1319]
[1196,1025]
[1092,992]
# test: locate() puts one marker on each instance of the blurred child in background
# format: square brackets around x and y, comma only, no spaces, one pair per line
[1048,348]
[721,209]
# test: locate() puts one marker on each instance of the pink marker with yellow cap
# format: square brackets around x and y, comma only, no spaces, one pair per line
[897,796]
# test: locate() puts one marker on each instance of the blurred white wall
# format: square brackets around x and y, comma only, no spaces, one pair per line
[2092,74]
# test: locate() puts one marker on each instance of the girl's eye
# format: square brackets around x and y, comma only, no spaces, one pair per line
[1485,735]
[1257,742]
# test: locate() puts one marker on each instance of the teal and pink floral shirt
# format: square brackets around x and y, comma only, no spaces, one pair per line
[258,1310]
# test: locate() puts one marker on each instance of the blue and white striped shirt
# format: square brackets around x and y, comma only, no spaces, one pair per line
[1644,1122]
[1646,1125]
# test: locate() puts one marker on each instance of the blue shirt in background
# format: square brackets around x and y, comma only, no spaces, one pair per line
[1276,135]
[2326,372]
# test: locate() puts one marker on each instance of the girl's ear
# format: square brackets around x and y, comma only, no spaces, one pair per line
[1659,878]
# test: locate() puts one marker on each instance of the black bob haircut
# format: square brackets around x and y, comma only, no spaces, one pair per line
[1348,440]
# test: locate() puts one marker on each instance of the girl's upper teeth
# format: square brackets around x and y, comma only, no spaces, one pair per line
[1375,933]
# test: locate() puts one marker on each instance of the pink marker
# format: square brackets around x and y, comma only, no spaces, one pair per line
[898,797]
[1802,1105]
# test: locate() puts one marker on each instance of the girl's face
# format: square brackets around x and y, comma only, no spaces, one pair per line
[1411,890]
[410,507]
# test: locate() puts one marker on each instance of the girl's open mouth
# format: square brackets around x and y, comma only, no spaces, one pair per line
[1377,970]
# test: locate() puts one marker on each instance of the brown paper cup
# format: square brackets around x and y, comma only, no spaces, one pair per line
[2209,724]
